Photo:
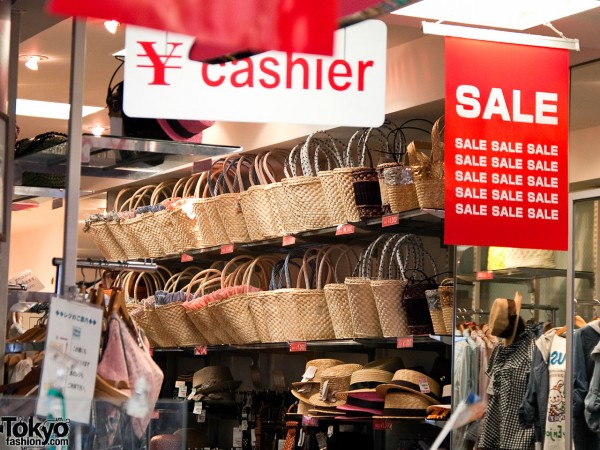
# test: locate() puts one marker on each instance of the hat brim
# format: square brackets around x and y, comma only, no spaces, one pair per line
[383,389]
[315,400]
[317,412]
[432,407]
[305,396]
[184,130]
[228,385]
[370,411]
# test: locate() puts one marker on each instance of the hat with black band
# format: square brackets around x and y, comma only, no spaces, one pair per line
[412,381]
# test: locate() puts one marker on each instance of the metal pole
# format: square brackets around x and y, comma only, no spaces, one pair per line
[569,322]
[68,279]
[13,72]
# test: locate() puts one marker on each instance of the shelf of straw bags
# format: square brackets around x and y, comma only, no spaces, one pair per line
[425,222]
[351,345]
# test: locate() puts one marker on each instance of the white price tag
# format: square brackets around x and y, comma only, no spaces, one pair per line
[192,393]
[182,392]
[244,425]
[424,386]
[237,437]
[197,408]
[309,374]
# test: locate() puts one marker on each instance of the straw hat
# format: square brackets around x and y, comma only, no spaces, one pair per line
[333,380]
[504,317]
[412,381]
[446,400]
[365,403]
[213,379]
[366,380]
[390,364]
[405,405]
[323,411]
[311,378]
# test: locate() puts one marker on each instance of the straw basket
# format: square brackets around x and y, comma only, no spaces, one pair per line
[105,240]
[446,294]
[401,189]
[435,311]
[428,170]
[227,200]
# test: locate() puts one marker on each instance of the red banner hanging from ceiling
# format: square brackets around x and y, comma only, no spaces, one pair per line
[506,145]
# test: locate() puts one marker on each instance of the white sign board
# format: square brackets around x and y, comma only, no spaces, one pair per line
[72,346]
[28,279]
[346,89]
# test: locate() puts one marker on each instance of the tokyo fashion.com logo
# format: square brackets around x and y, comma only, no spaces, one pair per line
[29,433]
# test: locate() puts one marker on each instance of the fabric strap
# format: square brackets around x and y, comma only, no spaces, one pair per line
[290,439]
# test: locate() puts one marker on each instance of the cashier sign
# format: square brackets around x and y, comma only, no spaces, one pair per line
[506,145]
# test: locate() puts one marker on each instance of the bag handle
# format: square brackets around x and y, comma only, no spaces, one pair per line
[437,141]
[268,162]
[291,165]
[163,191]
[200,277]
[326,145]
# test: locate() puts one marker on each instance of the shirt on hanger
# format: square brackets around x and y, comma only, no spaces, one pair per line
[555,417]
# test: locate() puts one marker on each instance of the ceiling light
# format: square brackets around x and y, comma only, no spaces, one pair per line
[510,14]
[111,26]
[97,130]
[31,61]
[50,110]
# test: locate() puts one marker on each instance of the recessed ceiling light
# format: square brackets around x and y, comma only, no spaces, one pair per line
[509,14]
[50,110]
[97,130]
[31,61]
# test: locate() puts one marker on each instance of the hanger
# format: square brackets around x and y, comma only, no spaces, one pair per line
[30,380]
[578,322]
[117,306]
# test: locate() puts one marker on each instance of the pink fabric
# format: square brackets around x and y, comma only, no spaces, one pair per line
[218,295]
[124,360]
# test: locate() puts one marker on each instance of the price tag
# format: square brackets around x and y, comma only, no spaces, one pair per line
[226,249]
[186,258]
[155,414]
[288,240]
[201,417]
[182,392]
[192,393]
[200,350]
[197,408]
[308,421]
[382,424]
[244,425]
[298,346]
[390,220]
[344,229]
[201,166]
[405,342]
[179,384]
[424,386]
[484,275]
[237,437]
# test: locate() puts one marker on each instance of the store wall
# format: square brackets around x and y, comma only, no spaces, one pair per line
[584,154]
[36,238]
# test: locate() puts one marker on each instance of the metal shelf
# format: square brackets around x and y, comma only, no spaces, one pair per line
[122,157]
[520,274]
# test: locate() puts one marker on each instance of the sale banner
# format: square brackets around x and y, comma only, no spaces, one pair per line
[506,145]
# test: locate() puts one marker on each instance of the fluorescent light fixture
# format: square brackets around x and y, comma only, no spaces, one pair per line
[484,34]
[50,110]
[509,14]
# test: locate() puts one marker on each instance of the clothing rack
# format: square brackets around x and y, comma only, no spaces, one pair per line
[528,306]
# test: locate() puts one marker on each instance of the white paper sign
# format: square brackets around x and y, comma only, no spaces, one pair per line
[72,345]
[27,278]
[346,89]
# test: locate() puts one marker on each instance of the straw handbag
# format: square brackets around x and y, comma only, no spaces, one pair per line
[216,185]
[124,235]
[363,306]
[428,170]
[411,258]
[446,294]
[206,237]
[336,292]
[367,193]
[174,318]
[103,237]
[234,312]
[305,194]
[235,175]
[184,229]
[388,290]
[162,229]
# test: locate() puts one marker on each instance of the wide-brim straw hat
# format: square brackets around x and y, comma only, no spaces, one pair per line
[213,379]
[333,380]
[504,317]
[319,366]
[365,403]
[325,412]
[412,381]
[366,380]
[404,405]
[446,400]
[305,392]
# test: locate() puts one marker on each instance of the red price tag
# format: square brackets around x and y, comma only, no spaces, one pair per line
[390,220]
[201,350]
[405,342]
[484,275]
[225,249]
[382,424]
[288,240]
[308,421]
[344,229]
[155,414]
[298,346]
[186,258]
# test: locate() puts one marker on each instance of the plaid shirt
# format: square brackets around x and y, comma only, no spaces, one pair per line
[508,369]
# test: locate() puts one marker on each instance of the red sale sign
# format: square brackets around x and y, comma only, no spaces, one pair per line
[506,145]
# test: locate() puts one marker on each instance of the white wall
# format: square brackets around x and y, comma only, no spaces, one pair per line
[584,154]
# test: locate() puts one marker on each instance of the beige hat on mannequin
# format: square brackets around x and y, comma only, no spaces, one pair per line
[504,317]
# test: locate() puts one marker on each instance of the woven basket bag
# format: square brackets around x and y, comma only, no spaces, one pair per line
[446,295]
[128,241]
[206,237]
[428,170]
[336,292]
[388,289]
[216,183]
[162,225]
[102,236]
